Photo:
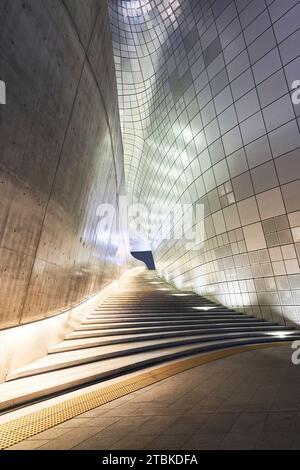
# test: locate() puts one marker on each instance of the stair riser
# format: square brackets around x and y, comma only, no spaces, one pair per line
[192,313]
[157,306]
[139,329]
[162,323]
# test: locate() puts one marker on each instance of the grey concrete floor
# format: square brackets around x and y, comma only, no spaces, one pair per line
[248,401]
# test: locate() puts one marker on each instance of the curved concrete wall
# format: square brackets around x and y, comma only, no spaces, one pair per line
[207,117]
[60,156]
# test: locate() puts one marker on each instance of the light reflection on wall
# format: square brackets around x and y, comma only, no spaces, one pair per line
[198,125]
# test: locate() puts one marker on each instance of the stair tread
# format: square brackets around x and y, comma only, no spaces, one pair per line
[19,391]
[122,325]
[71,358]
[149,316]
[156,330]
[81,343]
[101,320]
[115,330]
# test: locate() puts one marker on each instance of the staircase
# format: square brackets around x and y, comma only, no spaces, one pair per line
[145,322]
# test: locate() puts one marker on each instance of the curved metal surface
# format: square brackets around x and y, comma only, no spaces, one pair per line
[207,118]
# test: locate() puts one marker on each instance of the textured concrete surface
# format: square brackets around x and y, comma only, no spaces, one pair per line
[60,156]
[249,401]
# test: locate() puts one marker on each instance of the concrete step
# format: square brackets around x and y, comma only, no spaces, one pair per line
[83,343]
[193,313]
[159,304]
[107,331]
[171,310]
[98,333]
[148,318]
[130,324]
[155,305]
[165,299]
[103,319]
[21,391]
[68,359]
[159,301]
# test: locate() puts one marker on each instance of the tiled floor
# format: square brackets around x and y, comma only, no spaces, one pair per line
[248,401]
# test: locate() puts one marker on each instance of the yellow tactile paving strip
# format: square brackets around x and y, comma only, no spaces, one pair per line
[24,427]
